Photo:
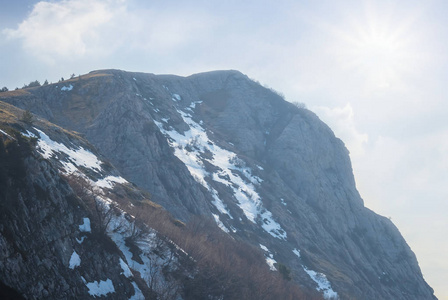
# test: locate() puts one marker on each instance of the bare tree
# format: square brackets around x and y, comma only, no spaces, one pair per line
[102,212]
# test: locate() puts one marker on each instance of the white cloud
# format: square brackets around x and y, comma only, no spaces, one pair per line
[69,28]
[82,29]
[341,121]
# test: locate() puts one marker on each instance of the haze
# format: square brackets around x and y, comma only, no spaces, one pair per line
[375,71]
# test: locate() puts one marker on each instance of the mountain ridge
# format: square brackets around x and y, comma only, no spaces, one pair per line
[267,171]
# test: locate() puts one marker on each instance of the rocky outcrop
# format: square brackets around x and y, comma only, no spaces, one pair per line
[44,254]
[218,144]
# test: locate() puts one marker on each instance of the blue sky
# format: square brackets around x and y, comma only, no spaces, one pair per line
[375,71]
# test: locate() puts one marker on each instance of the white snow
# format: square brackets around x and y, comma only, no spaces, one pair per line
[296,252]
[134,78]
[193,104]
[79,157]
[271,263]
[192,140]
[28,134]
[5,133]
[189,147]
[272,227]
[118,230]
[109,181]
[176,97]
[75,260]
[126,271]
[67,88]
[220,224]
[138,293]
[80,240]
[100,288]
[217,202]
[143,269]
[269,258]
[323,285]
[85,227]
[264,248]
[283,201]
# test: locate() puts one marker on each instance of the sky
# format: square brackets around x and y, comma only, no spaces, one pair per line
[375,71]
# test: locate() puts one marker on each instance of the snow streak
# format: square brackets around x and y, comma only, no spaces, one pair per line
[193,147]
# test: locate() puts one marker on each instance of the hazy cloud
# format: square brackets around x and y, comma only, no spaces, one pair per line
[342,122]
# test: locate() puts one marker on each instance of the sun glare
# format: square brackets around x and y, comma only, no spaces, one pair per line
[378,50]
[380,57]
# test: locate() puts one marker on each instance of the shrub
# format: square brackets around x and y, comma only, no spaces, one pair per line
[299,105]
[27,117]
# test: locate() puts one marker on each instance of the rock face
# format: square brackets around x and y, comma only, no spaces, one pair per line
[43,252]
[220,145]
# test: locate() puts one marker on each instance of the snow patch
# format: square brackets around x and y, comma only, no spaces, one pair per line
[1,131]
[75,261]
[193,104]
[120,228]
[283,201]
[67,88]
[79,157]
[296,252]
[80,240]
[126,271]
[271,263]
[269,258]
[176,97]
[109,181]
[323,285]
[28,134]
[138,295]
[272,227]
[190,146]
[220,224]
[187,148]
[85,226]
[100,288]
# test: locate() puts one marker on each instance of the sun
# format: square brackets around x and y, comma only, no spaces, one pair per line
[379,50]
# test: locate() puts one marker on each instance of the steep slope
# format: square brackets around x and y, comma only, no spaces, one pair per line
[62,234]
[220,145]
[72,227]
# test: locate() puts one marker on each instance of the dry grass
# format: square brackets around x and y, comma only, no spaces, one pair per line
[11,115]
[15,93]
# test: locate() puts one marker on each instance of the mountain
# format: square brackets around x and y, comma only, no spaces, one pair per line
[72,227]
[221,147]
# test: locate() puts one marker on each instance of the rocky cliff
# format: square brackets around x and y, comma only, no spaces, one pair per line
[267,172]
[58,239]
